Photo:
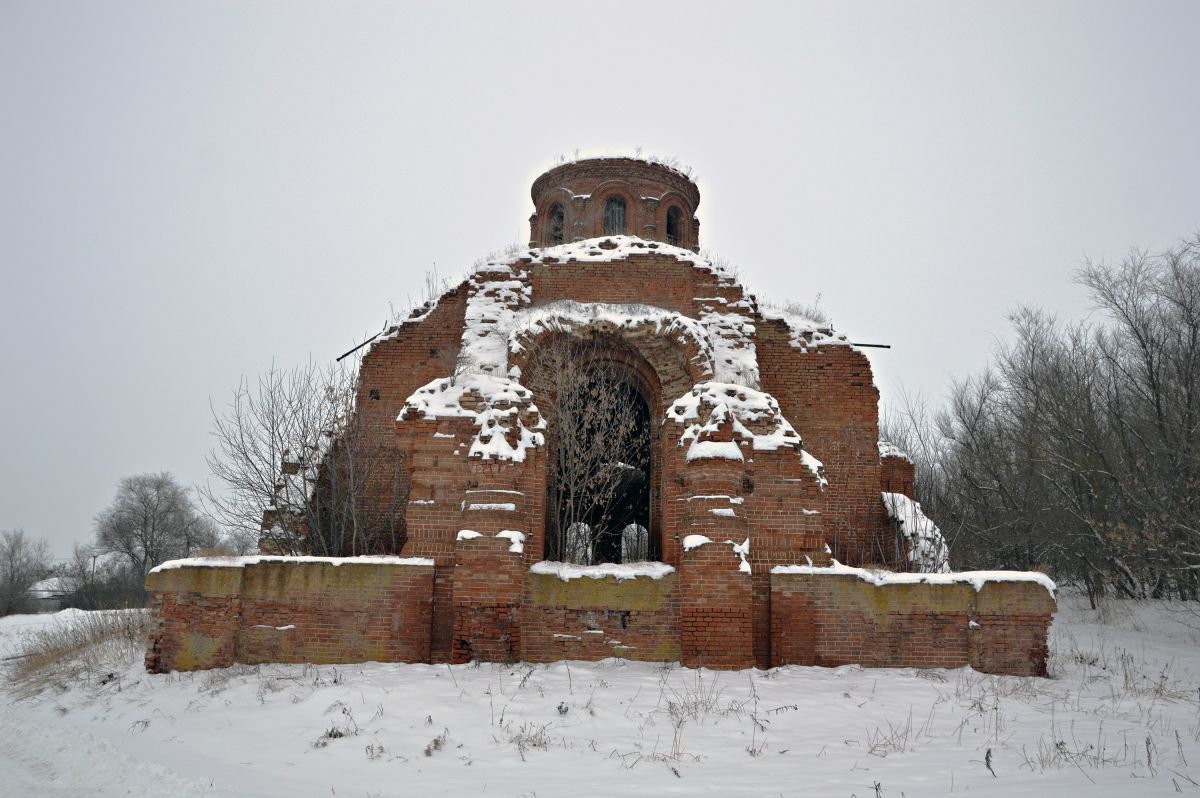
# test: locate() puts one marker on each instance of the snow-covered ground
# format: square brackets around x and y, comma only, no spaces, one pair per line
[1120,718]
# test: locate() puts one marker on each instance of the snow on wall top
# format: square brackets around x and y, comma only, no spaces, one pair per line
[735,355]
[749,415]
[496,294]
[242,562]
[889,449]
[566,571]
[976,579]
[604,249]
[804,332]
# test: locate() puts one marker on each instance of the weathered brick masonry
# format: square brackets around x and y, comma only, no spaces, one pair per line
[214,613]
[838,619]
[764,432]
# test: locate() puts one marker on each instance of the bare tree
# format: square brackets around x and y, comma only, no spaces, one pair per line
[1078,450]
[152,519]
[599,449]
[292,446]
[23,562]
[99,581]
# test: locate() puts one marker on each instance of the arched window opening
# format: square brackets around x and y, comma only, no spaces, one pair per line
[614,216]
[598,501]
[635,543]
[557,223]
[674,226]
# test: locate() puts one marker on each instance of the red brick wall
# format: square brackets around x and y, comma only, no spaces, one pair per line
[896,476]
[828,619]
[391,371]
[702,615]
[194,628]
[590,619]
[280,611]
[583,188]
[829,395]
[445,483]
[716,627]
[488,583]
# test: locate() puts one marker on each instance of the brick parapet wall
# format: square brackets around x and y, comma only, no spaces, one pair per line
[194,619]
[589,618]
[702,615]
[834,619]
[208,616]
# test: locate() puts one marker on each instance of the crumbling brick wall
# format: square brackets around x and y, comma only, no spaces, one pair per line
[839,619]
[478,599]
[897,475]
[829,395]
[590,618]
[284,610]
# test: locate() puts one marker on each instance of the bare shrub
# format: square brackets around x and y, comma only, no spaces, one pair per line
[89,648]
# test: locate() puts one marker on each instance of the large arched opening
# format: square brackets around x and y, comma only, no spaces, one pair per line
[599,398]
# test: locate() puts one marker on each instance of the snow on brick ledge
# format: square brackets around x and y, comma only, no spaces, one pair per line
[516,540]
[565,315]
[741,550]
[509,423]
[566,571]
[977,579]
[804,332]
[242,562]
[753,416]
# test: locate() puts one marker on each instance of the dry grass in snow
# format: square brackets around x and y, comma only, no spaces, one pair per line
[1121,716]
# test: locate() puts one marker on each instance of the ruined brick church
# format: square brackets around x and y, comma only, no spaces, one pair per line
[748,508]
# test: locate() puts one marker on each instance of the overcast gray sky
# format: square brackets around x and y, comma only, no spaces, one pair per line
[189,191]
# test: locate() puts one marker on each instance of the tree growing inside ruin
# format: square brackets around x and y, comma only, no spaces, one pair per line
[289,443]
[598,442]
